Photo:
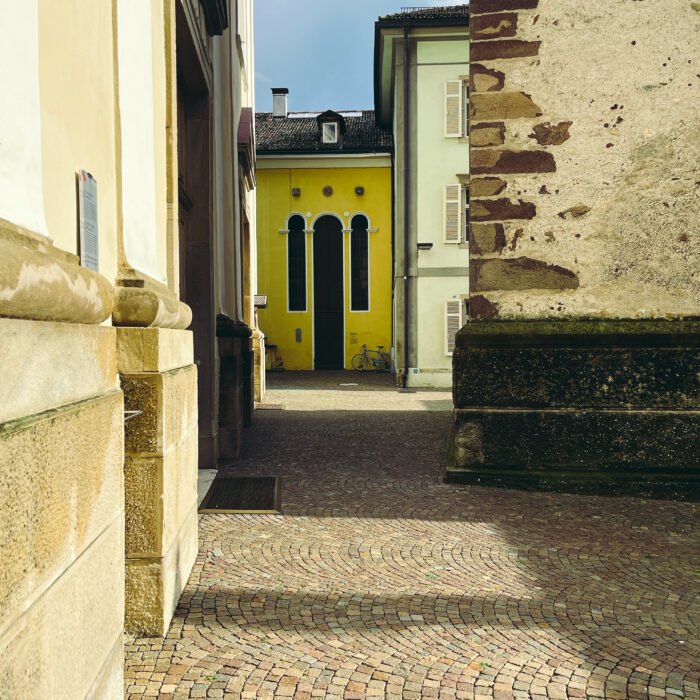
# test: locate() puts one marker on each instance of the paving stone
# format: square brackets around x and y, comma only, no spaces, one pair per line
[379,578]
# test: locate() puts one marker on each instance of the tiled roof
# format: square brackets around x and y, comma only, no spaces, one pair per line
[301,134]
[448,12]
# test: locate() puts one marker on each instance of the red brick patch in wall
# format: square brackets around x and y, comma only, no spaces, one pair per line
[508,48]
[480,307]
[487,134]
[478,7]
[491,161]
[494,106]
[547,134]
[486,238]
[503,24]
[489,274]
[483,79]
[486,186]
[500,210]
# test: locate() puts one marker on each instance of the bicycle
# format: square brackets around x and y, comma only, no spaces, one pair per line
[371,358]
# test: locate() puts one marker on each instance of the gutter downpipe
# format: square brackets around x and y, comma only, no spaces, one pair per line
[406,204]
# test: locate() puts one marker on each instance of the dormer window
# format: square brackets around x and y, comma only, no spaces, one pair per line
[329,132]
[331,127]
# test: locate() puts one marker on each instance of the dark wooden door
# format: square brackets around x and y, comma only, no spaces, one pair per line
[328,294]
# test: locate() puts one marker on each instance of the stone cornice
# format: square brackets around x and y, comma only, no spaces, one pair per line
[145,303]
[40,282]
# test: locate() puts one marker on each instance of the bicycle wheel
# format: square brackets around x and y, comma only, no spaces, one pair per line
[360,362]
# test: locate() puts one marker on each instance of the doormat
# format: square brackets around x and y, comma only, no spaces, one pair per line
[236,494]
[269,406]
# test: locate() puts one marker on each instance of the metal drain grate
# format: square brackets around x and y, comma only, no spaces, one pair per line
[269,406]
[249,494]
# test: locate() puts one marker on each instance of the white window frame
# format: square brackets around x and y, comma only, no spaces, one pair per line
[334,138]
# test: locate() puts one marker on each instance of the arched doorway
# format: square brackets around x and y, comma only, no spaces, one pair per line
[328,294]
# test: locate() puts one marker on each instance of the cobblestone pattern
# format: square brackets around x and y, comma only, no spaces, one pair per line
[380,581]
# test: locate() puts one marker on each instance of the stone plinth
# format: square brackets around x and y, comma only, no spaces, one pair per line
[160,469]
[61,498]
[585,406]
[236,381]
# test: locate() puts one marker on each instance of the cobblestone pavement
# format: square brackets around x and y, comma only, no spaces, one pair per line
[380,581]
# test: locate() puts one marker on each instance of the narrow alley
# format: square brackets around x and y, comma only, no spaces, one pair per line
[379,580]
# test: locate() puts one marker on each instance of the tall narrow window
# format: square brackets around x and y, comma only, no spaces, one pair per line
[359,264]
[296,263]
[465,213]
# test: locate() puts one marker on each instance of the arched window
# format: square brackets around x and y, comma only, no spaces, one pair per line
[296,263]
[359,264]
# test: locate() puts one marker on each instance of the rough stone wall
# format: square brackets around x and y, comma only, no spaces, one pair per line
[61,511]
[584,159]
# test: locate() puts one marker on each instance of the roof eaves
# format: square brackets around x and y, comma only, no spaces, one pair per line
[338,153]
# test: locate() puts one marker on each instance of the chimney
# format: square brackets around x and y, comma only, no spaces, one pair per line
[279,102]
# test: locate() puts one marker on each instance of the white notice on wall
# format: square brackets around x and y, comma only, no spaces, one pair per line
[87,215]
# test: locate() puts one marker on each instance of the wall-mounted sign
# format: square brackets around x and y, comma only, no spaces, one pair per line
[87,220]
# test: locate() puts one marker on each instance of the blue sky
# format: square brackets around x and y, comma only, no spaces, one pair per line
[322,50]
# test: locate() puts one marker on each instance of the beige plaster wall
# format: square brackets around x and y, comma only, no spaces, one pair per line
[161,95]
[21,196]
[77,92]
[625,75]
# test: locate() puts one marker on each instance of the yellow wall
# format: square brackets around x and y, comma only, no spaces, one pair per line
[274,205]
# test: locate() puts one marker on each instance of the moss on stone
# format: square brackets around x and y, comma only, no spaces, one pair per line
[589,330]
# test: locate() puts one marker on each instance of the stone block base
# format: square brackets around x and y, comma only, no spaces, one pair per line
[61,500]
[236,372]
[154,584]
[609,407]
[160,469]
[645,453]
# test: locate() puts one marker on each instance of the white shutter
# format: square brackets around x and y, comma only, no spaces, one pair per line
[452,224]
[453,109]
[453,322]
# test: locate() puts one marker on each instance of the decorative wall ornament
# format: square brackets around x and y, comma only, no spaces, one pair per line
[359,191]
[296,191]
[328,190]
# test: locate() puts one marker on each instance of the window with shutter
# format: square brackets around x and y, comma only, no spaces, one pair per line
[454,115]
[452,214]
[453,322]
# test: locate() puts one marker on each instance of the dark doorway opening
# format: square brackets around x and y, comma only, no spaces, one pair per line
[329,299]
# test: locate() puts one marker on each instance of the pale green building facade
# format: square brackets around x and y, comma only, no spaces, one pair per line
[427,107]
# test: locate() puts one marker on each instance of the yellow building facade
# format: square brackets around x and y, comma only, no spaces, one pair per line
[324,227]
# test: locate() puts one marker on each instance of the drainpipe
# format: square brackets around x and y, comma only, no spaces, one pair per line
[406,203]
